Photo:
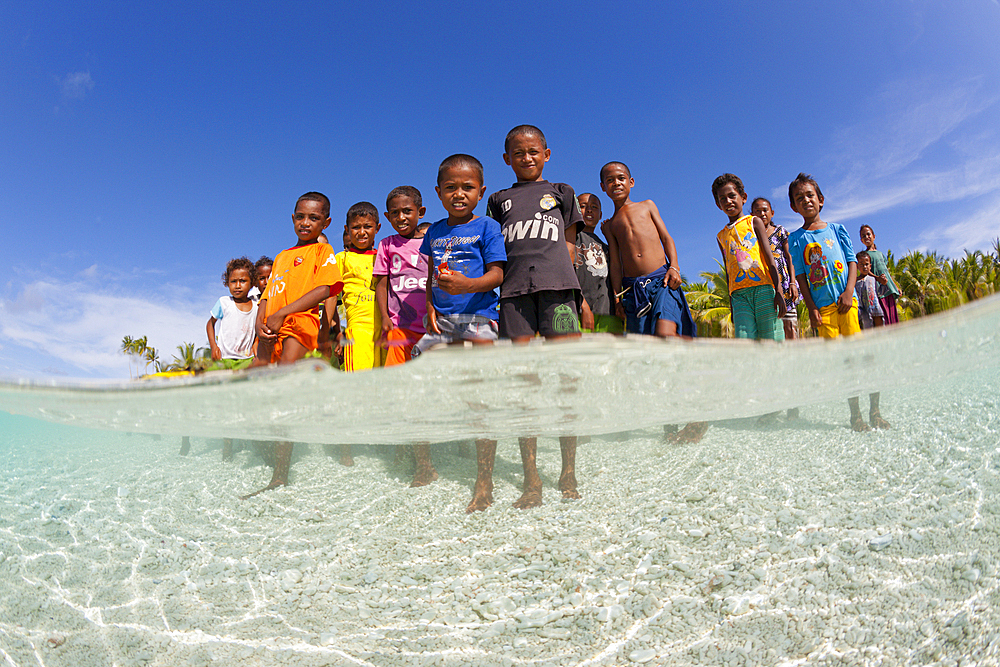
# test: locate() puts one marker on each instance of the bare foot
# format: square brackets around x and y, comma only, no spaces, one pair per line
[567,484]
[481,499]
[690,434]
[858,424]
[423,476]
[282,452]
[876,421]
[768,419]
[530,498]
[185,445]
[273,485]
[345,456]
[567,478]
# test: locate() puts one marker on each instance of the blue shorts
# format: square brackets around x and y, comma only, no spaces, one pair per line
[649,300]
[455,328]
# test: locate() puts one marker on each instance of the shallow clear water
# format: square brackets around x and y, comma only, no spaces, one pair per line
[753,546]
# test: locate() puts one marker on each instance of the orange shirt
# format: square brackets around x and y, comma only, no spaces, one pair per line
[296,272]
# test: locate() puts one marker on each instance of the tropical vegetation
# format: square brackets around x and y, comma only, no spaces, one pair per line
[139,351]
[928,283]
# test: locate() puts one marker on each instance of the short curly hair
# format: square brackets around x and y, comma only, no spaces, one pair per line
[240,263]
[405,191]
[723,181]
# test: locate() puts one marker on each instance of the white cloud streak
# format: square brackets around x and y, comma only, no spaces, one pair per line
[925,143]
[76,85]
[77,326]
[976,231]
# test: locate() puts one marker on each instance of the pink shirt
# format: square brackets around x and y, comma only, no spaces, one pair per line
[399,259]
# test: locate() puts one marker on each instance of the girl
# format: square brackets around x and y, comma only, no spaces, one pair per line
[887,290]
[230,328]
[778,238]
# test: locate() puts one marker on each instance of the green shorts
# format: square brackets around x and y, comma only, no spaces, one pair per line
[230,364]
[606,324]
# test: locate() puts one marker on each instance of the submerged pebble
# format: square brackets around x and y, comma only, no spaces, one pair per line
[745,549]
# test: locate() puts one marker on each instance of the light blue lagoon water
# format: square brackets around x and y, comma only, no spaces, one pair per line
[789,542]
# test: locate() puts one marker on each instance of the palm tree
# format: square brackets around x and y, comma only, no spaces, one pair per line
[710,301]
[976,271]
[190,359]
[920,281]
[152,357]
[134,348]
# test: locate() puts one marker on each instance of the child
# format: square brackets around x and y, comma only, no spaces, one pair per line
[401,277]
[887,289]
[540,290]
[401,295]
[820,253]
[870,312]
[364,325]
[754,282]
[643,262]
[230,327]
[644,271]
[288,312]
[465,256]
[591,264]
[778,239]
[262,267]
[422,230]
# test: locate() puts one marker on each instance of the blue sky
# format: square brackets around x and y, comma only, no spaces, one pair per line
[145,144]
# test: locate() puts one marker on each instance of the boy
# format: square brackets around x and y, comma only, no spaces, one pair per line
[826,278]
[401,296]
[288,312]
[401,277]
[643,260]
[540,290]
[364,325]
[755,299]
[465,257]
[591,264]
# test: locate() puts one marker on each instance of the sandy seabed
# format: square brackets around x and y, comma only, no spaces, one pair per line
[793,543]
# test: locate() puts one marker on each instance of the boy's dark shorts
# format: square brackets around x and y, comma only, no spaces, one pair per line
[549,313]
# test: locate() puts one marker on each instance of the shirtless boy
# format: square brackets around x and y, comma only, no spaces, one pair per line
[643,263]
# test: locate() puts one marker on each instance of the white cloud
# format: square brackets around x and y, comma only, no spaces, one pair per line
[76,85]
[976,231]
[77,325]
[923,145]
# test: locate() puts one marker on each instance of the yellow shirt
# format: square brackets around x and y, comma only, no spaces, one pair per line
[744,265]
[364,323]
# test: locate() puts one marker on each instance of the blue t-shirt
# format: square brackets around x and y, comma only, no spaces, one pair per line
[466,249]
[822,256]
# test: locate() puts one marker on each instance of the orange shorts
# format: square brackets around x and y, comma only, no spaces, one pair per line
[303,327]
[399,348]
